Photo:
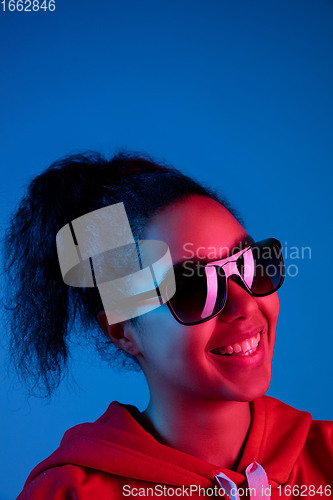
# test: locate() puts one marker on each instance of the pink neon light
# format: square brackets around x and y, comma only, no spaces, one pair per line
[248,268]
[211,292]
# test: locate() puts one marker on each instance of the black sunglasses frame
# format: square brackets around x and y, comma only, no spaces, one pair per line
[268,243]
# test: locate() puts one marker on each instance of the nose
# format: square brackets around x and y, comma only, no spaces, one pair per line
[240,304]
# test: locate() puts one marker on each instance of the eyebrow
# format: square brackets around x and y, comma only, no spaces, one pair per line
[194,261]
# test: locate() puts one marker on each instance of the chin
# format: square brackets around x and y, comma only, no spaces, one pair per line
[250,392]
[257,392]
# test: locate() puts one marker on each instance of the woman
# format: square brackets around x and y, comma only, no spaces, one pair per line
[206,350]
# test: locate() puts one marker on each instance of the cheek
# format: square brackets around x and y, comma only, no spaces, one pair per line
[273,306]
[270,306]
[160,337]
[168,346]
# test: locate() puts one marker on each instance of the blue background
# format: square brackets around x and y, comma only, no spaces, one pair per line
[238,94]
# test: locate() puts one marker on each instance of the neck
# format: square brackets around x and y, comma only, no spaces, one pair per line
[213,431]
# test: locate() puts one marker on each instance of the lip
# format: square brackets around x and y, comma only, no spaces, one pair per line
[238,337]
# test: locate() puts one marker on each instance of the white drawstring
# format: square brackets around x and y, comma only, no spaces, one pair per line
[257,479]
[228,486]
[259,488]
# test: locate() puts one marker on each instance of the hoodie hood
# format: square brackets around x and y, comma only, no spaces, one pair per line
[118,445]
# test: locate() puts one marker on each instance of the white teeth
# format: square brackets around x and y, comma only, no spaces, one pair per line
[246,346]
[237,348]
[243,348]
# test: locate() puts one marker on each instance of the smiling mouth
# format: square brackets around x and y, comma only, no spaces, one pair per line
[243,348]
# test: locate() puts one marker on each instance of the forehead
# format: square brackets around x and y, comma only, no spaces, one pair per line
[200,225]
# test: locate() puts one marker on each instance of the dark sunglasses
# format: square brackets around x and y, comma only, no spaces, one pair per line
[202,291]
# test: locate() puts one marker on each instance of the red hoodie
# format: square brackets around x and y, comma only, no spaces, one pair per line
[115,458]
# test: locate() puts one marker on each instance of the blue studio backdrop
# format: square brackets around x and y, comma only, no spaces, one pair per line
[237,94]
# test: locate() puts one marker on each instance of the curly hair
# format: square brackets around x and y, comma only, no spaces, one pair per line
[42,309]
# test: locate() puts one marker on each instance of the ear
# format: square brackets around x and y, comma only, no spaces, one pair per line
[122,334]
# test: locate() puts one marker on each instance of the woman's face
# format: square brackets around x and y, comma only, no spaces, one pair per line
[183,359]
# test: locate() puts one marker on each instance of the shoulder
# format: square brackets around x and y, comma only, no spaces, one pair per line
[279,414]
[319,445]
[306,445]
[76,470]
[276,409]
[72,482]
